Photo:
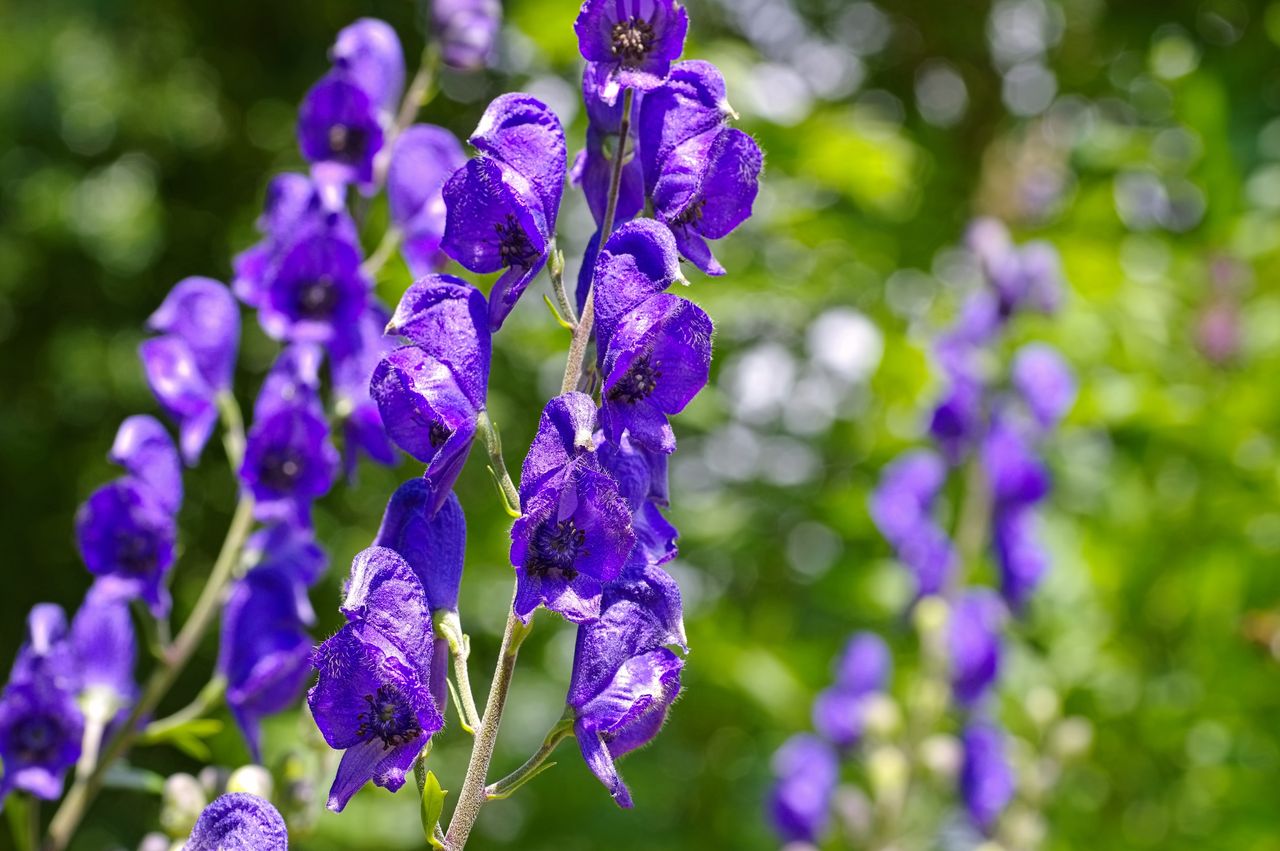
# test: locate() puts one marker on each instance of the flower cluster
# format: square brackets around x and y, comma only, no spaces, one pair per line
[987,432]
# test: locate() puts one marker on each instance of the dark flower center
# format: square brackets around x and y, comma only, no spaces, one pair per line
[280,470]
[389,717]
[514,244]
[36,740]
[556,546]
[347,144]
[318,298]
[134,552]
[639,382]
[438,434]
[632,41]
[690,215]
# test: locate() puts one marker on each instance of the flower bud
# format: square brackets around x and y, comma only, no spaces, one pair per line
[1043,706]
[1071,738]
[181,802]
[253,779]
[889,771]
[882,718]
[940,756]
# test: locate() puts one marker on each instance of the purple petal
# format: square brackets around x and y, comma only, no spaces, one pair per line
[690,103]
[122,533]
[973,639]
[385,593]
[181,389]
[807,773]
[565,432]
[1044,381]
[466,31]
[430,533]
[986,777]
[288,458]
[367,53]
[239,822]
[316,292]
[447,318]
[104,645]
[638,261]
[423,159]
[522,132]
[339,132]
[147,453]
[203,313]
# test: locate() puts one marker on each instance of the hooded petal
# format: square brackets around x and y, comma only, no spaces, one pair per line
[239,821]
[431,535]
[125,535]
[973,638]
[203,313]
[522,132]
[986,777]
[367,53]
[293,382]
[466,31]
[807,772]
[1020,554]
[638,261]
[565,433]
[1044,381]
[147,453]
[690,103]
[104,645]
[908,486]
[182,391]
[289,547]
[339,131]
[422,160]
[447,318]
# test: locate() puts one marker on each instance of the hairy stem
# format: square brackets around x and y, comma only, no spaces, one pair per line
[582,330]
[535,764]
[555,271]
[497,466]
[466,701]
[86,788]
[472,796]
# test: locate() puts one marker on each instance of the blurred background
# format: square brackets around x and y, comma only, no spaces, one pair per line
[1143,140]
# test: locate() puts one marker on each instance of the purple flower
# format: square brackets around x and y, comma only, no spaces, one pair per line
[40,732]
[105,649]
[566,433]
[957,421]
[863,670]
[624,678]
[466,31]
[192,361]
[289,460]
[45,657]
[288,547]
[316,291]
[973,640]
[593,167]
[202,313]
[127,539]
[692,102]
[373,697]
[706,189]
[339,132]
[658,358]
[295,207]
[642,481]
[146,452]
[423,158]
[430,392]
[351,368]
[495,221]
[639,260]
[903,499]
[429,534]
[239,821]
[1020,554]
[1028,276]
[265,653]
[522,133]
[930,557]
[986,778]
[1015,474]
[633,42]
[367,53]
[807,773]
[1044,381]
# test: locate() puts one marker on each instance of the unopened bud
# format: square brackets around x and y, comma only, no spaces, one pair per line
[889,771]
[1071,738]
[253,779]
[181,803]
[1043,706]
[940,756]
[882,719]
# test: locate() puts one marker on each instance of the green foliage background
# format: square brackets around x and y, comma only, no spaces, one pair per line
[135,140]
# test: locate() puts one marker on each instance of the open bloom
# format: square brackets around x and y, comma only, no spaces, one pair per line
[40,732]
[191,362]
[353,360]
[807,773]
[986,777]
[367,53]
[624,677]
[105,650]
[692,102]
[423,158]
[316,291]
[1044,381]
[146,452]
[265,652]
[339,131]
[1016,474]
[973,641]
[863,670]
[706,189]
[239,821]
[633,42]
[1020,554]
[466,31]
[373,699]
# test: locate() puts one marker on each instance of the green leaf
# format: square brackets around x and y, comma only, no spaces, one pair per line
[125,776]
[432,807]
[16,811]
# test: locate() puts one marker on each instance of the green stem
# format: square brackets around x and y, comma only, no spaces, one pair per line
[233,430]
[420,90]
[535,764]
[582,330]
[472,797]
[84,790]
[972,523]
[497,466]
[555,271]
[384,252]
[209,698]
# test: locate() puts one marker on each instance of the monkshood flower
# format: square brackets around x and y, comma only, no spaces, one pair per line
[863,670]
[1016,474]
[633,42]
[502,206]
[265,652]
[902,508]
[593,167]
[105,649]
[1020,555]
[126,530]
[624,678]
[642,481]
[373,699]
[288,547]
[973,643]
[430,392]
[958,419]
[807,772]
[289,459]
[239,821]
[295,207]
[575,531]
[45,656]
[41,728]
[707,187]
[368,54]
[423,159]
[639,260]
[192,360]
[1044,382]
[316,291]
[986,778]
[354,358]
[692,102]
[339,132]
[1027,276]
[466,31]
[432,540]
